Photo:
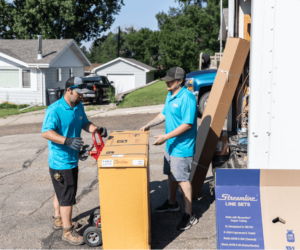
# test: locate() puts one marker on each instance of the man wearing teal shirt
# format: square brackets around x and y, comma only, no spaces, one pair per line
[62,126]
[180,116]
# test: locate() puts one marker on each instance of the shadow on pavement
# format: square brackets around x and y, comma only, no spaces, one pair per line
[163,228]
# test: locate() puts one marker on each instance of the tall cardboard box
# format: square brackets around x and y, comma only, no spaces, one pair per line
[124,191]
[216,110]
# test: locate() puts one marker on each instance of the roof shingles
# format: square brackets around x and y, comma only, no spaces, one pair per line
[27,50]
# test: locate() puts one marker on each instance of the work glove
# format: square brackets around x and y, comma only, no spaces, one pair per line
[102,131]
[74,143]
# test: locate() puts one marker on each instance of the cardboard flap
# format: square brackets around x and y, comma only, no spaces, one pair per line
[237,177]
[279,178]
[124,156]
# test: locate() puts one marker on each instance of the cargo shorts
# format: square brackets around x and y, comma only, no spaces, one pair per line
[179,168]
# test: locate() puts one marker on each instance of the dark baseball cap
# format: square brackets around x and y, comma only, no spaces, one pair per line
[77,85]
[175,73]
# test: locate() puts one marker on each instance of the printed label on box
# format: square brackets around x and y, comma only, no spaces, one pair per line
[107,163]
[239,220]
[117,155]
[122,141]
[138,162]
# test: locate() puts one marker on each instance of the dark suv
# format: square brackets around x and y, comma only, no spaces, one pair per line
[98,86]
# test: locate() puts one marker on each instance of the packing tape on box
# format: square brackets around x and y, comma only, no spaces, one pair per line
[199,165]
[224,71]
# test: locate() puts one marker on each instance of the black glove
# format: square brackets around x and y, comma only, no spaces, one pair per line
[102,131]
[74,143]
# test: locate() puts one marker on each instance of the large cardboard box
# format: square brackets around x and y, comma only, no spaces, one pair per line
[124,192]
[257,209]
[216,110]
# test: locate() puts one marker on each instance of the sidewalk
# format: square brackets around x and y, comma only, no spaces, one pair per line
[38,116]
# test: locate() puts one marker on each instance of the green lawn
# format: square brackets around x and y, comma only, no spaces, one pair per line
[7,109]
[152,95]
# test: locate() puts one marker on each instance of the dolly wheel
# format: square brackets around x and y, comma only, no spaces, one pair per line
[93,237]
[94,217]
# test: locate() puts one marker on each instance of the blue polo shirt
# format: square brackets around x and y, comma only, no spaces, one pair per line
[181,109]
[68,122]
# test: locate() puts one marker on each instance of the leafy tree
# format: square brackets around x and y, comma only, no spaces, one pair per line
[56,19]
[106,49]
[183,37]
[141,45]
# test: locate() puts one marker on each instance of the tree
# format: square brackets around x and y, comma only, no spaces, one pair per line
[183,37]
[141,45]
[55,19]
[106,49]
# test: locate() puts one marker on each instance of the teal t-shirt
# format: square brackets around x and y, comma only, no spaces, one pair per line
[68,122]
[181,109]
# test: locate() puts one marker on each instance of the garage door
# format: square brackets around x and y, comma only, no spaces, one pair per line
[122,82]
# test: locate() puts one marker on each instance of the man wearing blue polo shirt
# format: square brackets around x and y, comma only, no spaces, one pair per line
[62,126]
[180,116]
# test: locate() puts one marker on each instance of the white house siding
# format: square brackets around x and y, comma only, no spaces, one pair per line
[20,95]
[50,78]
[150,77]
[120,67]
[69,58]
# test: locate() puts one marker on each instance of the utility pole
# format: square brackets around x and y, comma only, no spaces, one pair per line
[119,43]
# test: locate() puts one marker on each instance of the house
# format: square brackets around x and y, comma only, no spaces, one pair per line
[29,67]
[89,70]
[126,73]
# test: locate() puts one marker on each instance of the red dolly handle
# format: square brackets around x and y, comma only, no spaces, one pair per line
[99,146]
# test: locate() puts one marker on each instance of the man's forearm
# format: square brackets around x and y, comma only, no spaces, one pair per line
[54,137]
[160,118]
[89,127]
[179,130]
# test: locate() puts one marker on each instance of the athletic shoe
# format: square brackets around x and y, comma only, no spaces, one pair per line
[187,221]
[167,207]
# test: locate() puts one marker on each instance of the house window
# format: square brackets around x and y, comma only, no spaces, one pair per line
[26,79]
[58,75]
[71,72]
[9,78]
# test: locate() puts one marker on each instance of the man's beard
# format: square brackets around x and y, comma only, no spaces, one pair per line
[77,102]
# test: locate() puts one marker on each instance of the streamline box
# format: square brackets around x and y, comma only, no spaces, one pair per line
[257,209]
[216,110]
[124,191]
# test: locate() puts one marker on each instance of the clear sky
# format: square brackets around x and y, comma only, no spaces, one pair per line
[140,14]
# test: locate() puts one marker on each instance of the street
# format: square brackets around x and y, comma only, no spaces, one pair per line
[26,192]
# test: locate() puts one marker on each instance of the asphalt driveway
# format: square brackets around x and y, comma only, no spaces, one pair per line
[26,192]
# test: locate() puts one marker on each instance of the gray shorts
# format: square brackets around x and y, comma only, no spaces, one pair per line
[179,168]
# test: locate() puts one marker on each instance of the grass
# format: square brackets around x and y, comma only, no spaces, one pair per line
[152,95]
[6,109]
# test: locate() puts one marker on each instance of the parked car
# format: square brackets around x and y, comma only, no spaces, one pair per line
[200,83]
[98,86]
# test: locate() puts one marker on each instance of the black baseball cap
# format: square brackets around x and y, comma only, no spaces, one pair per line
[175,73]
[77,85]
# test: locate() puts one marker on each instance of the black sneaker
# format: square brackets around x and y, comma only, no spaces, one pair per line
[168,207]
[187,221]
